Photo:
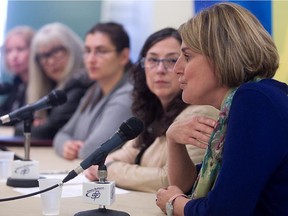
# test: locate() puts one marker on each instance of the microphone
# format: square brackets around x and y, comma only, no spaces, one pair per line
[54,98]
[5,88]
[128,130]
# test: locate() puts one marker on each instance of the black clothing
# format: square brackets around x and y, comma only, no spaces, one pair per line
[75,88]
[15,99]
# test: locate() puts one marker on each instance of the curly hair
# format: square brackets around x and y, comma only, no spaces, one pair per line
[146,105]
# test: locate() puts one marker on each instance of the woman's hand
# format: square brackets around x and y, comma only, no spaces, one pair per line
[91,173]
[164,194]
[71,149]
[39,121]
[194,130]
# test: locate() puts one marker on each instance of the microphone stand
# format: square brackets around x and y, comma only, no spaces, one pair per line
[23,182]
[102,211]
[27,137]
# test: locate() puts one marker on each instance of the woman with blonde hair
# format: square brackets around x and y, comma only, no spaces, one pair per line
[55,63]
[228,61]
[15,52]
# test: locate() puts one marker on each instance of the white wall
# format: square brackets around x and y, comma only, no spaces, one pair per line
[143,17]
[3,17]
[171,13]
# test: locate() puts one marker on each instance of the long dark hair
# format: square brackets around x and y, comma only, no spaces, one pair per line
[146,105]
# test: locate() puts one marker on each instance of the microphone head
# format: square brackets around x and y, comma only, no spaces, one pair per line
[57,97]
[131,128]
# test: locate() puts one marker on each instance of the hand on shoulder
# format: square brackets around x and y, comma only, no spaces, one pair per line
[194,130]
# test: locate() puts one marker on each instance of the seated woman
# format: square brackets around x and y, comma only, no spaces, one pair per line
[108,102]
[141,164]
[55,63]
[15,52]
[228,60]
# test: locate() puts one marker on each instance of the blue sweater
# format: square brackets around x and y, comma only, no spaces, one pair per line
[253,179]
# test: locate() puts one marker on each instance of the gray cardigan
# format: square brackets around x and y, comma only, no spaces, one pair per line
[96,123]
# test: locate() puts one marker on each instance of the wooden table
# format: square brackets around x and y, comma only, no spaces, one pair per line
[133,203]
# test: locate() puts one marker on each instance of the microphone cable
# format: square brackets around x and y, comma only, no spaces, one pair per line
[67,178]
[31,194]
[128,130]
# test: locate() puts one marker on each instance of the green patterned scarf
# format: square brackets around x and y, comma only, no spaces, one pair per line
[213,157]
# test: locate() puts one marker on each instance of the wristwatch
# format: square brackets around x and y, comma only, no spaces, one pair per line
[169,208]
[169,204]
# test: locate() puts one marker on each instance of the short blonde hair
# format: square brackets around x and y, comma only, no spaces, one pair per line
[235,42]
[27,32]
[39,84]
[24,31]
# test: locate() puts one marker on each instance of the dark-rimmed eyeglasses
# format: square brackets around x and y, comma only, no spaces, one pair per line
[56,52]
[152,62]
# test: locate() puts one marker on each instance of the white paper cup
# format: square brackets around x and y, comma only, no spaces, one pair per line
[6,159]
[50,200]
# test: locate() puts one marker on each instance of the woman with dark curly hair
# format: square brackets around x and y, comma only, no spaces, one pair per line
[141,164]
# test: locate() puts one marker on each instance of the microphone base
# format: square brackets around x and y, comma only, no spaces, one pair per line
[26,183]
[102,212]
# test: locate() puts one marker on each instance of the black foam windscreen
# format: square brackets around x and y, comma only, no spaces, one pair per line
[131,128]
[57,97]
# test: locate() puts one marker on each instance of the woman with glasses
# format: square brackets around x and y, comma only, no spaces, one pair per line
[55,63]
[108,102]
[141,164]
[15,53]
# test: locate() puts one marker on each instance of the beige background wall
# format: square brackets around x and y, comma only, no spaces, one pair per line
[172,13]
[141,18]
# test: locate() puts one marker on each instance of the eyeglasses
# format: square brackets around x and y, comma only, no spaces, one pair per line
[55,53]
[97,52]
[151,63]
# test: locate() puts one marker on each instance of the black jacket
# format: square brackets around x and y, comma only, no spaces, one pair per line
[75,88]
[16,97]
